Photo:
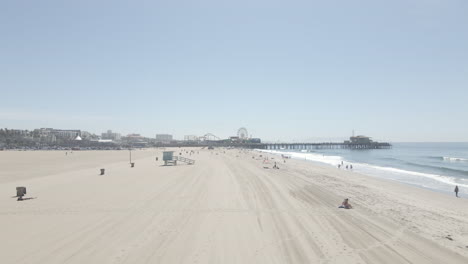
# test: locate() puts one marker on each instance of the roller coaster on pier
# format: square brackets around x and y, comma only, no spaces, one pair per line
[209,137]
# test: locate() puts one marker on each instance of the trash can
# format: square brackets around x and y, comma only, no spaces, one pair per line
[102,171]
[132,164]
[156,158]
[20,192]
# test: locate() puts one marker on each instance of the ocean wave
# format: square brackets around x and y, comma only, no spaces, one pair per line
[371,169]
[439,168]
[331,160]
[391,159]
[455,159]
[440,178]
[449,158]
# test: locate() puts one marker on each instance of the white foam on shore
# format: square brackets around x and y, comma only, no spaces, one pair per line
[427,180]
[455,159]
[332,160]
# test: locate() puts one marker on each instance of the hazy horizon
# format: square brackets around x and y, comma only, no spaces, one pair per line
[266,140]
[286,70]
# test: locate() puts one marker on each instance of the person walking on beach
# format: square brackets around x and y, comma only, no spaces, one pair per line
[456,190]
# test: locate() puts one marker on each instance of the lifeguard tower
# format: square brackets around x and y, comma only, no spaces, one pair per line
[170,159]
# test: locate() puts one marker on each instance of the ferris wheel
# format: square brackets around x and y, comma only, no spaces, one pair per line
[242,133]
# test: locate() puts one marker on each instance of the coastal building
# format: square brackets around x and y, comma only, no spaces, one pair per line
[255,140]
[360,140]
[163,138]
[66,133]
[18,132]
[44,135]
[134,137]
[190,138]
[110,135]
[135,140]
[57,133]
[85,135]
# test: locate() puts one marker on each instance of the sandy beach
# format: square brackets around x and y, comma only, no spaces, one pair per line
[226,208]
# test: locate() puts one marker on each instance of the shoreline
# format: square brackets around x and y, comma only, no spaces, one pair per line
[385,173]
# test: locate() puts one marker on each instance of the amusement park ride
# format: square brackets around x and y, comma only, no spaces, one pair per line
[208,137]
[242,134]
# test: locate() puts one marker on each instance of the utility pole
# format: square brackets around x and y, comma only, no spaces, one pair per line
[130,150]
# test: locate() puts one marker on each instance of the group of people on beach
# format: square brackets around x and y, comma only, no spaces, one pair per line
[350,166]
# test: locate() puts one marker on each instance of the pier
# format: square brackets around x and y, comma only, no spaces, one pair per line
[288,146]
[327,145]
[354,142]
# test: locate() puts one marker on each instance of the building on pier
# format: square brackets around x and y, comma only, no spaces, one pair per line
[359,140]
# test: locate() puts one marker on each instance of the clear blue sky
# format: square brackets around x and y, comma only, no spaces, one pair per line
[287,70]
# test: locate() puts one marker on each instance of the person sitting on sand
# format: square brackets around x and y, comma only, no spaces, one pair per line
[275,167]
[345,204]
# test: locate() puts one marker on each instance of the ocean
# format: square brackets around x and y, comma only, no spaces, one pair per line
[435,166]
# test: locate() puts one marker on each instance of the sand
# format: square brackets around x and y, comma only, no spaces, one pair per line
[226,208]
